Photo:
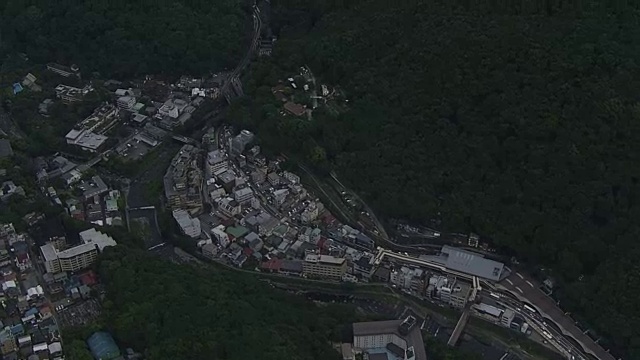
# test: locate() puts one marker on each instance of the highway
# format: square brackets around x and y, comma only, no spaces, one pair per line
[528,290]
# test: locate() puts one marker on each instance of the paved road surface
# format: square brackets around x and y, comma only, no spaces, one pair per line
[529,290]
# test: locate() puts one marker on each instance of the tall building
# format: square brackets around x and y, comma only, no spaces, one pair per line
[240,142]
[217,162]
[189,226]
[126,102]
[77,257]
[324,266]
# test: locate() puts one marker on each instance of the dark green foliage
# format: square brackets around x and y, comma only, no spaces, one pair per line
[177,312]
[121,38]
[519,124]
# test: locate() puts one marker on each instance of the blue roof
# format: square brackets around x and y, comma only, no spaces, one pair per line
[32,311]
[17,329]
[103,346]
[17,88]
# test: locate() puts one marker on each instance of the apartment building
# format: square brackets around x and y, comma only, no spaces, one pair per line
[126,102]
[70,94]
[217,162]
[77,257]
[324,266]
[189,226]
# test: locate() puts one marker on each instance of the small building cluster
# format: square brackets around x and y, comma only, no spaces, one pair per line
[28,329]
[183,180]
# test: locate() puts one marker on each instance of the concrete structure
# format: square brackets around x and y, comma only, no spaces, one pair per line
[324,266]
[243,195]
[77,257]
[238,143]
[375,337]
[216,161]
[189,226]
[507,317]
[86,140]
[70,94]
[126,102]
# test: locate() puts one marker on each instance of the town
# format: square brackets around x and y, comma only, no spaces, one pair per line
[241,209]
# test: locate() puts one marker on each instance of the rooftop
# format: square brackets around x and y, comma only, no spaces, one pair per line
[472,263]
[327,259]
[413,339]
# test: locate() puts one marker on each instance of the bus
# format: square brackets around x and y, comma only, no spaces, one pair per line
[495,296]
[530,308]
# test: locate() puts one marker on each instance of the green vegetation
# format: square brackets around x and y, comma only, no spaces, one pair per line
[176,311]
[438,350]
[518,123]
[121,39]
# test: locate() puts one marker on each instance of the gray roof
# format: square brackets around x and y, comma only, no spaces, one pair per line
[472,263]
[376,327]
[414,338]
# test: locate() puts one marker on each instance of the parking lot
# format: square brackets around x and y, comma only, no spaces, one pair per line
[133,150]
[80,314]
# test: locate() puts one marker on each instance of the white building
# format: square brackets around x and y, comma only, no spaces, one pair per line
[173,108]
[126,102]
[189,226]
[77,257]
[243,195]
[219,233]
[217,161]
[86,140]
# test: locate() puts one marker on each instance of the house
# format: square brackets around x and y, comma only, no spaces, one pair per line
[295,109]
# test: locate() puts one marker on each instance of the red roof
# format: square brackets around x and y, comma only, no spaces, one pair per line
[88,278]
[321,242]
[22,258]
[273,265]
[248,251]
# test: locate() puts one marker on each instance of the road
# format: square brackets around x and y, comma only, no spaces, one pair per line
[257,27]
[527,289]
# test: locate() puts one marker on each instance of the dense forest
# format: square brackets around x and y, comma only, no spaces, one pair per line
[519,125]
[179,312]
[121,38]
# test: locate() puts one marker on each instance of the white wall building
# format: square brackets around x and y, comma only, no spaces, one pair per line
[189,226]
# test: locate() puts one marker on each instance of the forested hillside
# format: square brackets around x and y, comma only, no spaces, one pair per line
[119,38]
[520,125]
[180,312]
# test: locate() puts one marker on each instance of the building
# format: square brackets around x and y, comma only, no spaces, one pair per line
[126,102]
[324,266]
[77,257]
[471,263]
[274,179]
[258,176]
[86,140]
[189,226]
[93,187]
[507,317]
[294,109]
[216,161]
[228,206]
[103,346]
[243,195]
[7,341]
[221,235]
[64,70]
[402,338]
[238,143]
[183,180]
[70,94]
[210,251]
[173,108]
[449,290]
[291,177]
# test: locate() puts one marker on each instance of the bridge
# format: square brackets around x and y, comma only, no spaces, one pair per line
[462,322]
[184,139]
